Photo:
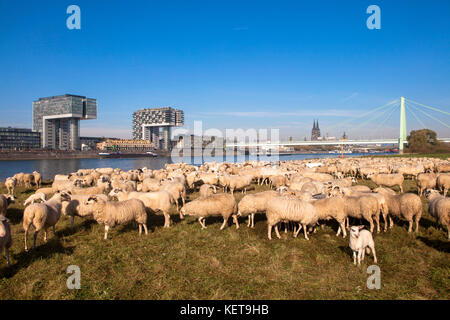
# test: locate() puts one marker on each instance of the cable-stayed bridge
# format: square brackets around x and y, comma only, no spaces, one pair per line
[375,115]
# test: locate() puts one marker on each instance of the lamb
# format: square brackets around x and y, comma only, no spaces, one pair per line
[37,178]
[111,213]
[284,209]
[77,207]
[361,241]
[10,184]
[388,180]
[34,198]
[425,181]
[443,183]
[153,201]
[47,191]
[407,206]
[43,215]
[439,208]
[5,201]
[5,237]
[255,203]
[207,190]
[221,204]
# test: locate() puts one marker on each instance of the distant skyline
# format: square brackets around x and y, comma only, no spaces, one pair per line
[230,64]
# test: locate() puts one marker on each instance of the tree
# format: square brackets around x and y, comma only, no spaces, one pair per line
[424,140]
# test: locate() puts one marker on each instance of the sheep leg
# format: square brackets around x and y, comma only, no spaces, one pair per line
[224,223]
[374,254]
[377,220]
[145,228]
[285,227]
[166,220]
[200,220]
[371,223]
[140,229]
[359,257]
[354,257]
[269,231]
[410,223]
[249,220]
[277,232]
[392,222]
[106,232]
[34,238]
[305,231]
[45,235]
[298,231]
[26,235]
[253,220]
[417,218]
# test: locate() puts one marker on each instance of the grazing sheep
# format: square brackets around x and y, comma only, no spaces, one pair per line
[407,206]
[425,181]
[37,178]
[255,203]
[239,183]
[332,208]
[153,201]
[77,207]
[19,178]
[150,184]
[5,237]
[5,201]
[28,179]
[111,213]
[439,208]
[34,198]
[47,191]
[361,241]
[43,215]
[176,190]
[10,184]
[277,181]
[221,204]
[388,180]
[207,190]
[443,183]
[284,209]
[363,207]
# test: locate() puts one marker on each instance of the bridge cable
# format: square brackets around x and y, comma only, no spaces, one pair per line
[418,120]
[385,120]
[430,116]
[435,109]
[362,115]
[376,116]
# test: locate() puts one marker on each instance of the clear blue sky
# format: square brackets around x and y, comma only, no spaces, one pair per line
[231,64]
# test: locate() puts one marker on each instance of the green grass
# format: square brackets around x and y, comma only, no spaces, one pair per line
[185,262]
[442,156]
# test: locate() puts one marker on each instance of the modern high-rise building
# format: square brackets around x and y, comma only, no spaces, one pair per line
[155,125]
[58,118]
[315,132]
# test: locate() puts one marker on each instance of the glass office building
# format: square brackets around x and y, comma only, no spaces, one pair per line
[19,139]
[58,118]
[155,125]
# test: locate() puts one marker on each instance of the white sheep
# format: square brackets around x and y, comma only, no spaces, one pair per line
[221,204]
[10,184]
[43,215]
[207,190]
[38,196]
[5,201]
[255,203]
[77,207]
[111,213]
[361,241]
[439,208]
[284,209]
[5,237]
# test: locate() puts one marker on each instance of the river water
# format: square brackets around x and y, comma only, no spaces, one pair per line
[49,168]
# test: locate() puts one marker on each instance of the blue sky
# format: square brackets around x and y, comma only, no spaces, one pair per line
[230,64]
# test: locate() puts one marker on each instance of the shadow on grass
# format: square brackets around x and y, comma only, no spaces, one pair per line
[43,251]
[86,224]
[442,246]
[14,215]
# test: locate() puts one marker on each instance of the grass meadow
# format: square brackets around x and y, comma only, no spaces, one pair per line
[185,262]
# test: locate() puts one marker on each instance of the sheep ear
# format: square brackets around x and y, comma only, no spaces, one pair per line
[360,227]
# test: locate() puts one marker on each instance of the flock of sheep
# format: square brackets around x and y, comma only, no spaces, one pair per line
[303,195]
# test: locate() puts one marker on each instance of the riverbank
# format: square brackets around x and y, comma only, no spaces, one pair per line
[61,155]
[442,156]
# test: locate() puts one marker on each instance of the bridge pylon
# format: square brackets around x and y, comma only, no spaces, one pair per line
[402,137]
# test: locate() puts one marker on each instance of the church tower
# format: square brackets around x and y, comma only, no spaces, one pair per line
[315,132]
